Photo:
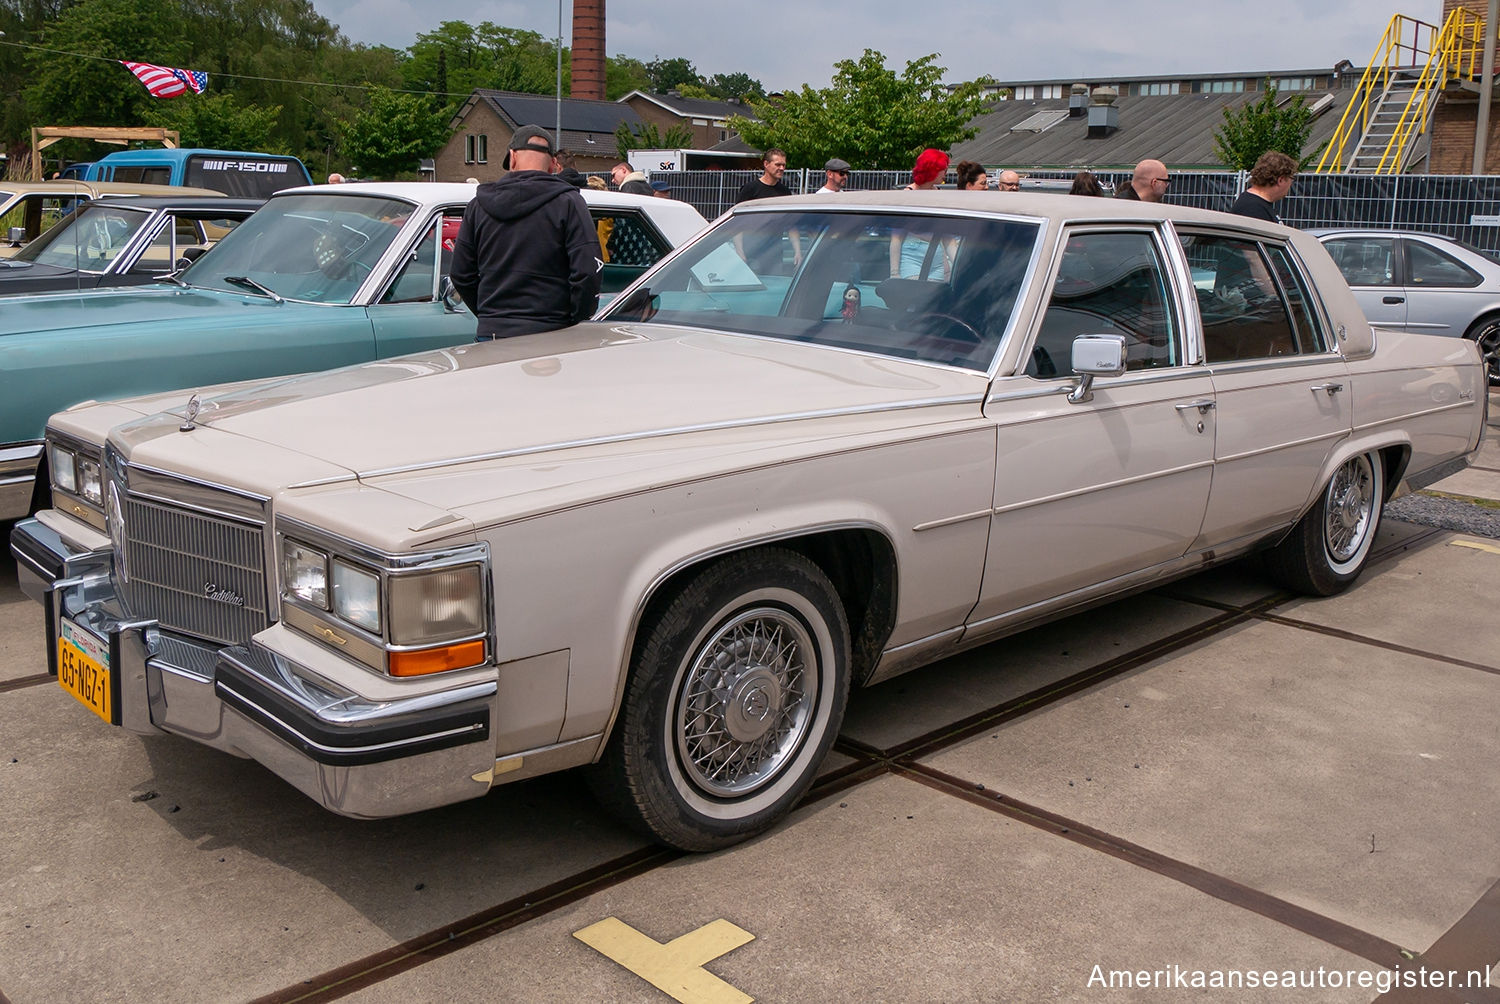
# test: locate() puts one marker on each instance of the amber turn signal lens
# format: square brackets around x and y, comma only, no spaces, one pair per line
[437,660]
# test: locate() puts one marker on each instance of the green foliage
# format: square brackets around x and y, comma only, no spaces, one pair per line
[392,133]
[647,137]
[94,92]
[218,121]
[869,116]
[666,74]
[623,74]
[459,57]
[1254,128]
[725,86]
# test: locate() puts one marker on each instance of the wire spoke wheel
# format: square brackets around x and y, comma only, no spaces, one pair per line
[1348,509]
[745,702]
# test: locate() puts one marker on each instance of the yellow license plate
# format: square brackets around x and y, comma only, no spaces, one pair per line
[83,669]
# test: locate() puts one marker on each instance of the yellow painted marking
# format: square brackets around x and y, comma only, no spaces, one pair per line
[1476,545]
[675,968]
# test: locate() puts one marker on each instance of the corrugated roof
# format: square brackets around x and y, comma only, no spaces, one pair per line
[1177,129]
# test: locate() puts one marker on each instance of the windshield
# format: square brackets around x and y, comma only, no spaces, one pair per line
[88,240]
[940,289]
[316,248]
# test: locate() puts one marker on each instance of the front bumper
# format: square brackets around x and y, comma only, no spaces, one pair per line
[355,755]
[19,463]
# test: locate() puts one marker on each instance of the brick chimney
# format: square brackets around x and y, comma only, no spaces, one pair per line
[588,49]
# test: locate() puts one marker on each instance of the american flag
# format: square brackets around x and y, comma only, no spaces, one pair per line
[166,82]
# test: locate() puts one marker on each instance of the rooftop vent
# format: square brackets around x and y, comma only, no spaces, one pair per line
[1104,117]
[1078,101]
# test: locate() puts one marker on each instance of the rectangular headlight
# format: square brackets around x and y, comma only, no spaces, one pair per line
[60,461]
[356,596]
[89,484]
[437,606]
[304,573]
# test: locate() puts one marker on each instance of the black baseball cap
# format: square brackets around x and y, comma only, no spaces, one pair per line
[522,140]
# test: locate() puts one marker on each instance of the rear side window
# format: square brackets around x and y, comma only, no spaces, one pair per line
[1365,261]
[143,175]
[1430,266]
[1245,313]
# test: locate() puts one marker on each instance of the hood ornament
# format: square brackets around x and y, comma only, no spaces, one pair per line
[193,407]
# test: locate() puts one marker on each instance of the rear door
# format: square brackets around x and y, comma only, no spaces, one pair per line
[1282,392]
[1443,295]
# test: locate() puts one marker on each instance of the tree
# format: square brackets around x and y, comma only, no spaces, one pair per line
[218,121]
[742,86]
[393,133]
[870,116]
[1254,128]
[623,74]
[646,137]
[666,74]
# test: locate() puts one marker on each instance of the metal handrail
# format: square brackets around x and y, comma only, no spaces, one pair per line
[1460,40]
[1356,118]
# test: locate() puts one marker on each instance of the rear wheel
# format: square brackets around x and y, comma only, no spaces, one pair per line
[735,695]
[1329,546]
[1485,332]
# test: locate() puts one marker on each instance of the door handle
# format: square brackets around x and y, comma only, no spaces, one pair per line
[1329,388]
[1393,299]
[1204,405]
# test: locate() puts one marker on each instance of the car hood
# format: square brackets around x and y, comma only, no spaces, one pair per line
[156,304]
[589,386]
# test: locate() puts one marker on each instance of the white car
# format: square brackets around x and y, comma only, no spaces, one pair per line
[831,440]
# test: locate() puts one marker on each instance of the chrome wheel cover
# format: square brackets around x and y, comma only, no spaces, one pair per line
[1348,509]
[746,701]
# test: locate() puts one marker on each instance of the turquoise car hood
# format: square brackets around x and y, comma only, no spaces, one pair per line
[156,304]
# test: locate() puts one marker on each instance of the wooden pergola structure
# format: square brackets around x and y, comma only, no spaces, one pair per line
[44,136]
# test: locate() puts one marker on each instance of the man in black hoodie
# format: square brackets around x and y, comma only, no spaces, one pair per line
[526,257]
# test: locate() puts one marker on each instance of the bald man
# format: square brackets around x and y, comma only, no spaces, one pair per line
[1008,181]
[1148,182]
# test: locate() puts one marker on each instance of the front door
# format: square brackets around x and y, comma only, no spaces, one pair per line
[1089,492]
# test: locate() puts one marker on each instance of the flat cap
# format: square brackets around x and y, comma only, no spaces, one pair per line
[836,165]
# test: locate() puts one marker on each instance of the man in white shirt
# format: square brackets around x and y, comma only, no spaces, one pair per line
[837,174]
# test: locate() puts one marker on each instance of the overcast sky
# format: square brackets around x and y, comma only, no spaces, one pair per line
[786,45]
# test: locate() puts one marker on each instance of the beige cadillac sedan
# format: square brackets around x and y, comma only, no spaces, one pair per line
[829,441]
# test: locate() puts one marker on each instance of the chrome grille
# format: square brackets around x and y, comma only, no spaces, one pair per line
[176,558]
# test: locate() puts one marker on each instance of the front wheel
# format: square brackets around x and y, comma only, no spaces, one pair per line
[736,693]
[1486,334]
[1329,546]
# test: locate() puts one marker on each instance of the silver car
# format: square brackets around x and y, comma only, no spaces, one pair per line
[1422,282]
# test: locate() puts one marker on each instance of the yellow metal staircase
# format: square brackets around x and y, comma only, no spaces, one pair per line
[1393,103]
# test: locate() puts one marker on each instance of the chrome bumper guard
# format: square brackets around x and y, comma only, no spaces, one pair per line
[354,755]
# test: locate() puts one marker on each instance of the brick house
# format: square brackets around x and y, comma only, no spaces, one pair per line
[1456,117]
[709,120]
[483,126]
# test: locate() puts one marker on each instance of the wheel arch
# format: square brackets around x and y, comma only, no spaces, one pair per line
[858,558]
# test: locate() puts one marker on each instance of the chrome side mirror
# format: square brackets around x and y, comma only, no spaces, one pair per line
[448,293]
[1095,356]
[16,236]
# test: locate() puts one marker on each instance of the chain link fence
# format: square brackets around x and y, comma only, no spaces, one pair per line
[1466,207]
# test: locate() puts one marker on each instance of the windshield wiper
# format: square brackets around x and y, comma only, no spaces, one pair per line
[246,282]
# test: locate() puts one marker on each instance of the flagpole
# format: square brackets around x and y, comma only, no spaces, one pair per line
[557,137]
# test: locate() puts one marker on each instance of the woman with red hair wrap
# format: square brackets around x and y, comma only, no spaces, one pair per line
[909,251]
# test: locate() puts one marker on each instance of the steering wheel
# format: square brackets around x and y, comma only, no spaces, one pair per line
[970,333]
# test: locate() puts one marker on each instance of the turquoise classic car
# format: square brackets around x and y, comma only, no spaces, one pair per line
[320,277]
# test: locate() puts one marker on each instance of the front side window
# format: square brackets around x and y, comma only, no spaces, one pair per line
[1430,266]
[315,247]
[628,245]
[88,240]
[839,279]
[417,281]
[1244,313]
[1365,261]
[1107,284]
[37,212]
